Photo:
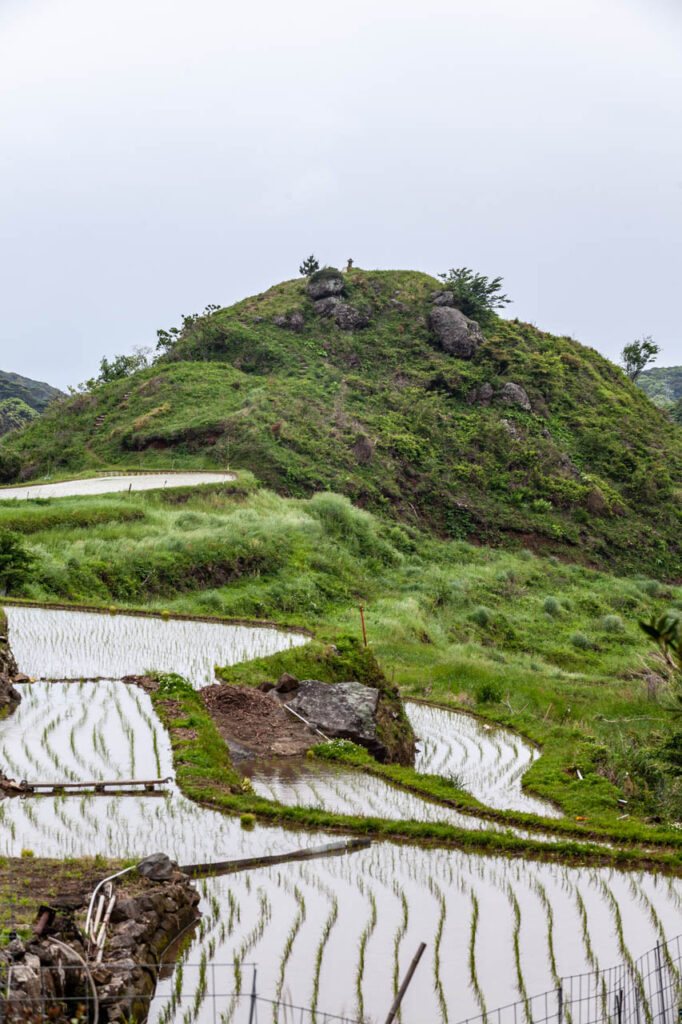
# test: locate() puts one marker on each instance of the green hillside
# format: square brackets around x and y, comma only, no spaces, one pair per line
[22,399]
[360,398]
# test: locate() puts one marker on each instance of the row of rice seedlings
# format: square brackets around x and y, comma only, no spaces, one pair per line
[367,932]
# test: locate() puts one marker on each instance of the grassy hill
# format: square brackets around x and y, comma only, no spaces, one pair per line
[591,472]
[22,399]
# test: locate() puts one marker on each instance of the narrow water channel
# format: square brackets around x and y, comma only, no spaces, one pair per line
[343,928]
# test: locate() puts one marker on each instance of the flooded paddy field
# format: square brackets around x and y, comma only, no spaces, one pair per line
[335,933]
[488,762]
[109,484]
[57,644]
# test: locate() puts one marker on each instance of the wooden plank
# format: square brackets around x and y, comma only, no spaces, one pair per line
[225,867]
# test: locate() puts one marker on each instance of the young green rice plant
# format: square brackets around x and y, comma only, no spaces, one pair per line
[435,889]
[624,950]
[364,939]
[517,952]
[319,953]
[473,976]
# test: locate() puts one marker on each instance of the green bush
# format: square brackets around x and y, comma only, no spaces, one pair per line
[612,624]
[581,641]
[481,616]
[476,295]
[16,562]
[551,606]
[488,692]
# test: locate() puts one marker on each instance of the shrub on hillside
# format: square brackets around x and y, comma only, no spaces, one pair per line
[581,641]
[476,295]
[612,624]
[551,606]
[16,563]
[488,692]
[481,616]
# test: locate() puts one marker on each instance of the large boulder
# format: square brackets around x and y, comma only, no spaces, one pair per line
[457,334]
[445,298]
[348,318]
[341,711]
[324,283]
[514,394]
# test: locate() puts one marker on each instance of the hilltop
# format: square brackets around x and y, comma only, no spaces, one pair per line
[519,438]
[22,399]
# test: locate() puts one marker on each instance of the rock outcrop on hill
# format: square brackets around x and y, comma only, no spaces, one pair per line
[457,334]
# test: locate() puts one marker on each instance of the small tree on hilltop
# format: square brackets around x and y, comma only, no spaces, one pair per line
[309,266]
[476,295]
[637,355]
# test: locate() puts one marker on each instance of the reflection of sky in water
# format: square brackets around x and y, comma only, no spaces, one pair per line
[56,644]
[110,484]
[488,762]
[106,729]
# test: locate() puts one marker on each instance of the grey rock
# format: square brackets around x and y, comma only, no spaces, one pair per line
[363,449]
[348,318]
[158,866]
[512,430]
[279,321]
[457,334]
[327,285]
[324,307]
[16,949]
[266,686]
[568,465]
[340,710]
[484,394]
[296,322]
[286,683]
[443,299]
[513,394]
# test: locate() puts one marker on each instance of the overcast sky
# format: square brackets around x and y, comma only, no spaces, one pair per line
[158,155]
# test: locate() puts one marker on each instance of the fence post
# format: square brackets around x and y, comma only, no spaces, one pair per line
[619,1006]
[560,1002]
[659,973]
[252,1011]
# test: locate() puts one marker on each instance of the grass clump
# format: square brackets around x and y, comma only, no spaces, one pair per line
[551,606]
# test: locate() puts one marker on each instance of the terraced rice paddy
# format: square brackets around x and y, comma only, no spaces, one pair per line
[57,644]
[334,933]
[489,763]
[110,484]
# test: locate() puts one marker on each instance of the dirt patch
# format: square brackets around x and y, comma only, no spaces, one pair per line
[27,882]
[255,722]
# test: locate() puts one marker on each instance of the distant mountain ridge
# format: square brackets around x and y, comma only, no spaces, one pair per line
[22,400]
[35,393]
[663,385]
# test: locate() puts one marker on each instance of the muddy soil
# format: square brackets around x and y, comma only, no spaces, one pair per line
[253,723]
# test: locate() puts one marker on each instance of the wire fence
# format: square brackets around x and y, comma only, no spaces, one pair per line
[189,994]
[644,991]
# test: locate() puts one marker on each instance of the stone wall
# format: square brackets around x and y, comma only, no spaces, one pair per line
[47,979]
[9,696]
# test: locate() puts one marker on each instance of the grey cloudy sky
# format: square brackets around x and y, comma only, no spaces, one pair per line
[158,155]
